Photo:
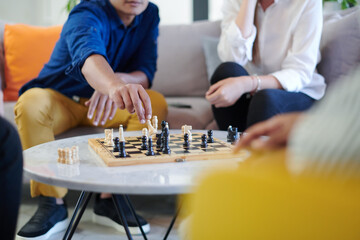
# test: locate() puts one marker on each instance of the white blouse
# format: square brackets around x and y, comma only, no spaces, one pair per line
[289,34]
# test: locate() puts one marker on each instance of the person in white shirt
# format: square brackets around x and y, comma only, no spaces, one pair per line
[270,49]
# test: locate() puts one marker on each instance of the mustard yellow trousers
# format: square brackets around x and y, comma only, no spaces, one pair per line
[40,114]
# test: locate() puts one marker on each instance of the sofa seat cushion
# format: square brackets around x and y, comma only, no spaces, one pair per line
[199,115]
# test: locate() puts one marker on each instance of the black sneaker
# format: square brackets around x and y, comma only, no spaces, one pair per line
[49,218]
[105,214]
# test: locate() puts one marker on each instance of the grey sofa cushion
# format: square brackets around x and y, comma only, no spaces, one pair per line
[340,44]
[181,62]
[211,55]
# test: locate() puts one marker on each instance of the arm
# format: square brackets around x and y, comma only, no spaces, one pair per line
[237,31]
[101,77]
[303,54]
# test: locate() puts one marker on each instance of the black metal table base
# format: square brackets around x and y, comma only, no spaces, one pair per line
[119,209]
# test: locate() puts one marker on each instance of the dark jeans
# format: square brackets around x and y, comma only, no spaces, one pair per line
[11,167]
[264,104]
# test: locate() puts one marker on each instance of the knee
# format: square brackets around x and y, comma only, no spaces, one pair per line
[158,104]
[226,70]
[264,98]
[31,102]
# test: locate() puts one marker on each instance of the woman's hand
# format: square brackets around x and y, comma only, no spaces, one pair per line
[103,106]
[277,129]
[226,92]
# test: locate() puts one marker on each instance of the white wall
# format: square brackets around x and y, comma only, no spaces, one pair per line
[51,12]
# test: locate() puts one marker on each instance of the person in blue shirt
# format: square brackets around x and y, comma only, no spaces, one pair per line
[97,75]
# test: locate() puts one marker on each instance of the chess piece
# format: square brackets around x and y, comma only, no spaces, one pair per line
[145,132]
[167,126]
[203,141]
[122,150]
[210,136]
[152,130]
[166,148]
[68,155]
[158,142]
[232,134]
[163,124]
[144,145]
[116,145]
[108,141]
[121,133]
[150,148]
[155,122]
[187,129]
[186,141]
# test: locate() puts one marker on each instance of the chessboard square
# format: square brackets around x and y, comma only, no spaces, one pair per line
[134,152]
[181,152]
[209,150]
[130,147]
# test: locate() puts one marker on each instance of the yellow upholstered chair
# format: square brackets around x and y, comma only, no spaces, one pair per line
[262,200]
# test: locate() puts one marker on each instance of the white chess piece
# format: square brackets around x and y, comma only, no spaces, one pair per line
[155,123]
[145,132]
[152,130]
[108,141]
[187,129]
[121,134]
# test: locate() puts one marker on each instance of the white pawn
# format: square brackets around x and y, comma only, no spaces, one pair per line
[108,141]
[155,123]
[145,132]
[121,133]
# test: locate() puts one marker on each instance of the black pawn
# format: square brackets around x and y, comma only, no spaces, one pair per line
[203,141]
[158,142]
[186,140]
[230,132]
[235,135]
[210,136]
[116,145]
[150,148]
[166,148]
[143,143]
[163,124]
[122,150]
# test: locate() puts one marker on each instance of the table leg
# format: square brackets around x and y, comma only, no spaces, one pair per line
[172,223]
[72,227]
[121,214]
[134,214]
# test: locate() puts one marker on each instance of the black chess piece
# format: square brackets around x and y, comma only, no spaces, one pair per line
[235,135]
[158,142]
[230,130]
[210,136]
[122,150]
[163,124]
[116,145]
[186,141]
[203,141]
[144,145]
[150,149]
[166,148]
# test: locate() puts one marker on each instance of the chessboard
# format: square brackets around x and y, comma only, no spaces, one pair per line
[135,156]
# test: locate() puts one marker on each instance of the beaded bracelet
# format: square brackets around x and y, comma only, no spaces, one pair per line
[258,88]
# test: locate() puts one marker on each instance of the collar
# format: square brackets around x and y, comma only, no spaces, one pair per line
[118,22]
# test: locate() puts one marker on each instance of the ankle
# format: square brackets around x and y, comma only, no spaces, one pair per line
[105,195]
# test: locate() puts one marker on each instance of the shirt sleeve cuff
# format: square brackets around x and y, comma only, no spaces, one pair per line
[74,70]
[237,40]
[289,80]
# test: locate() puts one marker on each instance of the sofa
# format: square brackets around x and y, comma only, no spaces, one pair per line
[188,56]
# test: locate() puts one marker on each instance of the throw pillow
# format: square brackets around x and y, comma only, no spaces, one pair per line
[211,55]
[27,49]
[340,44]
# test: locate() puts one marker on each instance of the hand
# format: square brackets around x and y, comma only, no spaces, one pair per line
[103,106]
[226,92]
[277,129]
[132,97]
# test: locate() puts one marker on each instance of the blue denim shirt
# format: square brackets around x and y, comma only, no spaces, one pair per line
[93,27]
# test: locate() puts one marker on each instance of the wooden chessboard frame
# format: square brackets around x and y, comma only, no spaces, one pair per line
[217,150]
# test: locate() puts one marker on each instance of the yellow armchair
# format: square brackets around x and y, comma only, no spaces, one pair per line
[262,200]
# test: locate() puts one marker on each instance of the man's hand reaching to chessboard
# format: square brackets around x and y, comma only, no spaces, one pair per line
[115,90]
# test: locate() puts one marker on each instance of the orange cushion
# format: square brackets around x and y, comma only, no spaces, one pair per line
[27,49]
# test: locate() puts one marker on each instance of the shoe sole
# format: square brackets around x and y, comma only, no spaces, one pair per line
[60,226]
[105,221]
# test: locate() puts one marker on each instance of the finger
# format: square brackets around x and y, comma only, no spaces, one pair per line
[127,102]
[107,111]
[119,103]
[113,110]
[213,88]
[87,103]
[214,97]
[145,99]
[135,98]
[258,130]
[93,103]
[100,109]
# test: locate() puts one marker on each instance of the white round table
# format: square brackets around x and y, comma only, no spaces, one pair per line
[92,175]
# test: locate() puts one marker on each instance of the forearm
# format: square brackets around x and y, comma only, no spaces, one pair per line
[99,74]
[265,82]
[136,77]
[245,17]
